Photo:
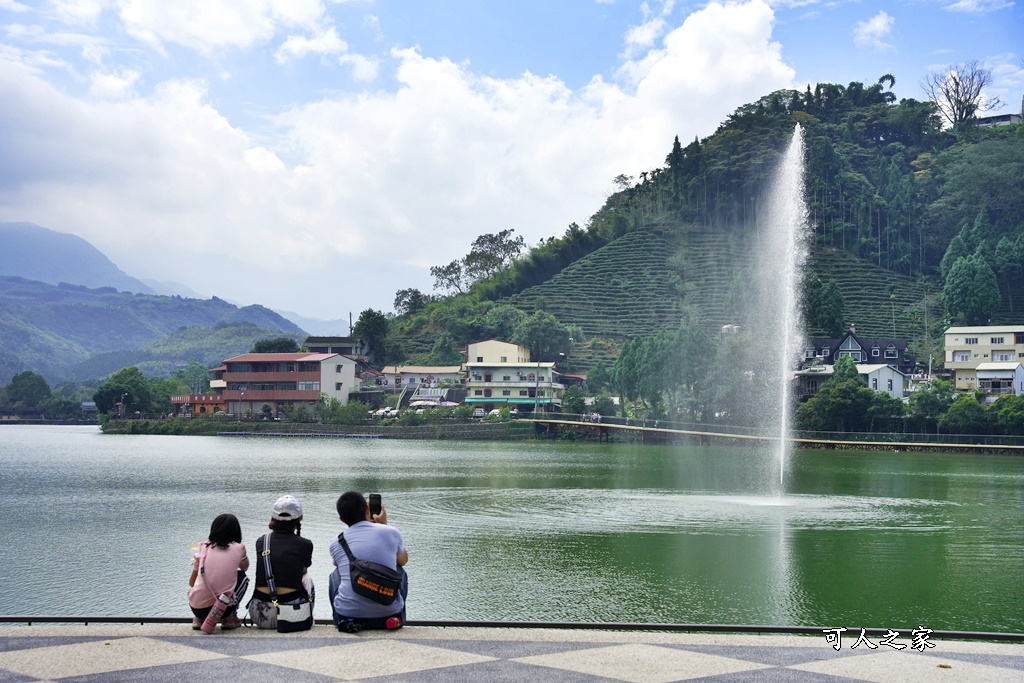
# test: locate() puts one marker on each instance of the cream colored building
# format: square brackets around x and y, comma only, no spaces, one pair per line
[968,347]
[500,373]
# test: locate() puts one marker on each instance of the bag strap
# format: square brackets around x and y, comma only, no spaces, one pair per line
[202,569]
[268,569]
[344,546]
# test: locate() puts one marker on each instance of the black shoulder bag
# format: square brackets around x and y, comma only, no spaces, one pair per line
[372,580]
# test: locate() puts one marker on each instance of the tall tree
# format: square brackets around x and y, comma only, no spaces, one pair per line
[372,326]
[492,252]
[276,345]
[544,336]
[971,290]
[959,91]
[410,301]
[27,389]
[449,277]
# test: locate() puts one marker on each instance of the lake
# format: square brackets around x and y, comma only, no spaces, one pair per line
[539,530]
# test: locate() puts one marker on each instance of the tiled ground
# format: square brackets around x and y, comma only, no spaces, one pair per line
[157,653]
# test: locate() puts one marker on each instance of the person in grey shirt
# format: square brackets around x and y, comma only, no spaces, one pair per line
[369,538]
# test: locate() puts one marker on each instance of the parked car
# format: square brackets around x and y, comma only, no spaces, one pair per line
[479,412]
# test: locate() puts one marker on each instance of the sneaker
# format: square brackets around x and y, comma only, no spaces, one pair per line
[392,623]
[350,626]
[231,622]
[196,624]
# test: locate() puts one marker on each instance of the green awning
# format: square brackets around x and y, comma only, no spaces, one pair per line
[506,399]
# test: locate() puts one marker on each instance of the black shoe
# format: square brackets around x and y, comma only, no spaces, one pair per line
[350,626]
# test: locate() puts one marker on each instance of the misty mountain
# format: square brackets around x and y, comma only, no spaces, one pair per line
[37,253]
[52,330]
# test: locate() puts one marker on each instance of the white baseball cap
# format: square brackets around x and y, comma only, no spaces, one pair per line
[286,508]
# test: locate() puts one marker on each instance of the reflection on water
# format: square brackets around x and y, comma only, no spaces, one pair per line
[534,531]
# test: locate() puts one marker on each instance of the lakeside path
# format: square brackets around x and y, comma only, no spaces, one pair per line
[104,653]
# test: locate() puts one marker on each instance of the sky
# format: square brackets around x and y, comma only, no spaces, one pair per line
[317,156]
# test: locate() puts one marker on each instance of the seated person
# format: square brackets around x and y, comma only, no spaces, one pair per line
[219,567]
[290,556]
[369,538]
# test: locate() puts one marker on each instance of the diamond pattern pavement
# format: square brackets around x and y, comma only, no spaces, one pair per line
[169,652]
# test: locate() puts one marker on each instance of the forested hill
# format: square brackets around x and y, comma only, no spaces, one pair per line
[53,330]
[914,225]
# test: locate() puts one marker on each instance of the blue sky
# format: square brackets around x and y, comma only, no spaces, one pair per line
[318,155]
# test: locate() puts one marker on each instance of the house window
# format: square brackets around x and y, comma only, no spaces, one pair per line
[479,359]
[961,356]
[337,386]
[540,393]
[874,383]
[809,352]
[286,386]
[337,368]
[1018,337]
[309,386]
[478,392]
[504,359]
[824,352]
[874,352]
[891,352]
[970,340]
[506,392]
[855,355]
[1002,355]
[524,392]
[890,385]
[506,378]
[997,340]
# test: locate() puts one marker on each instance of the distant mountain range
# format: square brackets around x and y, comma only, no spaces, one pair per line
[37,253]
[70,314]
[55,329]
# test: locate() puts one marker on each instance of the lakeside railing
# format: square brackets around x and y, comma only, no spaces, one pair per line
[965,440]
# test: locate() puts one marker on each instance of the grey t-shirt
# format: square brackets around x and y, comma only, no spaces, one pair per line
[378,543]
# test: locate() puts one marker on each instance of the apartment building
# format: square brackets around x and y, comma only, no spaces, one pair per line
[264,383]
[968,347]
[500,373]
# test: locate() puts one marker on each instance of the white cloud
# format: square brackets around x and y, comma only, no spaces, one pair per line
[322,43]
[978,6]
[643,36]
[401,179]
[84,12]
[113,85]
[13,6]
[874,32]
[208,25]
[363,68]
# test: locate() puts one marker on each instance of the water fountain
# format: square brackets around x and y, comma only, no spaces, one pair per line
[782,252]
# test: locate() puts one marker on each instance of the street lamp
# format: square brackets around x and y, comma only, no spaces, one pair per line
[240,397]
[121,403]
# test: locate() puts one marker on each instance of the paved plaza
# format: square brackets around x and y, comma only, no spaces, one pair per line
[104,653]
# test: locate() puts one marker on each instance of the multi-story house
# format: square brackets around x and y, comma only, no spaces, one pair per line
[500,373]
[879,377]
[264,383]
[966,348]
[881,351]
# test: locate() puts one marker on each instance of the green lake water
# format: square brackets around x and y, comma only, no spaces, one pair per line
[545,531]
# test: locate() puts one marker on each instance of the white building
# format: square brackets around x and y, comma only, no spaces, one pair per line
[1000,379]
[883,378]
[500,373]
[969,347]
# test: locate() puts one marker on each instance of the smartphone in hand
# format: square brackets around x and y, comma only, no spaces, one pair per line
[374,504]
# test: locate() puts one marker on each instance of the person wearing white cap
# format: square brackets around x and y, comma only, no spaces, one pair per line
[290,557]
